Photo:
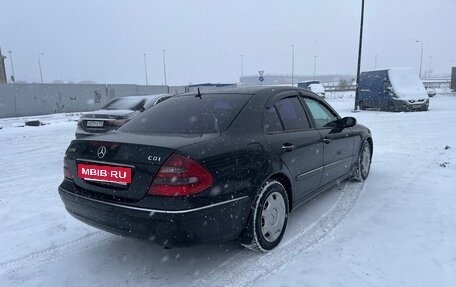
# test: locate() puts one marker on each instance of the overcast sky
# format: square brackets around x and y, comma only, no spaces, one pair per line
[104,41]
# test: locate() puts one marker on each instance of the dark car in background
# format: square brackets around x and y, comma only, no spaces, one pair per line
[116,113]
[215,166]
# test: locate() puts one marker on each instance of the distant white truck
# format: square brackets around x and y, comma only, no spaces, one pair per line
[314,86]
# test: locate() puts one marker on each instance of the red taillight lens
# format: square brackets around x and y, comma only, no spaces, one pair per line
[180,176]
[66,171]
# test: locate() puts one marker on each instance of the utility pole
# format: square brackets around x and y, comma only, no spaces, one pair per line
[145,68]
[13,78]
[421,57]
[315,66]
[242,65]
[292,65]
[164,66]
[375,62]
[430,67]
[39,65]
[358,70]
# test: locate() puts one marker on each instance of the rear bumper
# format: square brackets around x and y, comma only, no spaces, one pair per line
[80,132]
[218,222]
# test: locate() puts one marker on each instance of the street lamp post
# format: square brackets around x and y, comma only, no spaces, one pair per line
[315,66]
[13,78]
[242,65]
[164,66]
[292,65]
[421,57]
[375,62]
[430,67]
[39,65]
[145,68]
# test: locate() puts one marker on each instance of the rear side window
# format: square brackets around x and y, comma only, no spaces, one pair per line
[271,121]
[209,113]
[292,114]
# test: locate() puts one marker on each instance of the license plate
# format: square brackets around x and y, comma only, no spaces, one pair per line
[105,173]
[416,107]
[95,124]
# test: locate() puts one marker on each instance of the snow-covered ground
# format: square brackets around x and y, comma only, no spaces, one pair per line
[396,229]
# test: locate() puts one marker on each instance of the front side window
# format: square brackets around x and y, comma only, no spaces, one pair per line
[323,117]
[292,114]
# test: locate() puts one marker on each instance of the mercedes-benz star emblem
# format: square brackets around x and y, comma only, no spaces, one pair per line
[101,152]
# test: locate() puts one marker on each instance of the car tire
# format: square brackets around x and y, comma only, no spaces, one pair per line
[391,108]
[362,168]
[268,219]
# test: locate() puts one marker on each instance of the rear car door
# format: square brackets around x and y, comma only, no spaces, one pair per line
[289,133]
[338,144]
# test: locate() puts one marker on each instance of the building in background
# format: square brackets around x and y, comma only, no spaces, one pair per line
[2,68]
[209,86]
[275,79]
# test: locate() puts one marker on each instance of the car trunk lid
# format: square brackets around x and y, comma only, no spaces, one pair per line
[124,168]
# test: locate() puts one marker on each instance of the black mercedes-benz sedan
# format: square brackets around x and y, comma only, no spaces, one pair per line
[214,166]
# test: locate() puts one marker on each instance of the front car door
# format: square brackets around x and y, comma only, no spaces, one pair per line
[338,144]
[299,146]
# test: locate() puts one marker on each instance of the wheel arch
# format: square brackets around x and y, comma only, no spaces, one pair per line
[285,181]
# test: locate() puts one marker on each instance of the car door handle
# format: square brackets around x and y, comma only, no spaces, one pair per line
[288,147]
[327,140]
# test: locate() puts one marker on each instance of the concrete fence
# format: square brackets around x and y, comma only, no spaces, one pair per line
[40,99]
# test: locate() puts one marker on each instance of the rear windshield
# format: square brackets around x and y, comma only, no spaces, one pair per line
[189,114]
[125,104]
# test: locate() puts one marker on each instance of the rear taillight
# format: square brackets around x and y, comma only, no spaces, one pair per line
[66,170]
[180,176]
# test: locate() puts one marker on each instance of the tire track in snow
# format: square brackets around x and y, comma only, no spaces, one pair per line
[50,254]
[247,267]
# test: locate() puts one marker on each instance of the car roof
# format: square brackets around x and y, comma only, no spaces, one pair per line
[249,90]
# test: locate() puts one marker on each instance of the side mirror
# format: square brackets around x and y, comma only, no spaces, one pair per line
[343,123]
[347,122]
